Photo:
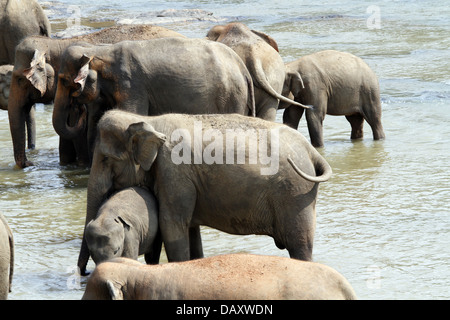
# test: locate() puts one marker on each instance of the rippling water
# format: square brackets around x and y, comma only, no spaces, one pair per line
[384,217]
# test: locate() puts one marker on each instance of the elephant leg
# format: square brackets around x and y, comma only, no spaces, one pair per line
[292,116]
[175,214]
[357,123]
[195,243]
[153,256]
[314,118]
[30,119]
[300,234]
[372,114]
[67,152]
[266,105]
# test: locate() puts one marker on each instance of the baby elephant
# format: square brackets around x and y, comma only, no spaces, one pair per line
[334,83]
[126,226]
[226,277]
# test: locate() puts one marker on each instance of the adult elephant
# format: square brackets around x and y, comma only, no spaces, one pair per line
[19,19]
[335,83]
[6,258]
[204,170]
[260,54]
[150,77]
[34,80]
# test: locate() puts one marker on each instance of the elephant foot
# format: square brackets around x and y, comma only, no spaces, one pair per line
[22,165]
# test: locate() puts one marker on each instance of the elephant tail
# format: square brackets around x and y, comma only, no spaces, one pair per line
[323,170]
[260,80]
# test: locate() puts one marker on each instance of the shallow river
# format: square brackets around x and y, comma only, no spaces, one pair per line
[383,220]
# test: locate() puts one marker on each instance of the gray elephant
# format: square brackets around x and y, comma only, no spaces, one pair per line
[151,77]
[18,20]
[224,277]
[35,76]
[239,190]
[260,54]
[334,83]
[125,226]
[6,258]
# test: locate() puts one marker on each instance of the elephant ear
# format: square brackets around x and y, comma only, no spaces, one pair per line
[37,72]
[295,82]
[145,142]
[83,72]
[115,290]
[267,39]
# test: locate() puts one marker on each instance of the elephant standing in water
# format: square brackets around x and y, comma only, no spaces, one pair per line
[224,277]
[6,258]
[18,20]
[260,55]
[167,75]
[200,183]
[334,83]
[35,76]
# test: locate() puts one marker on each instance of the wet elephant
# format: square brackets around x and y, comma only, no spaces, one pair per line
[188,162]
[260,54]
[150,77]
[334,83]
[223,277]
[34,80]
[6,258]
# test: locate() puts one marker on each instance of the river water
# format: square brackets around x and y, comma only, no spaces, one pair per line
[383,220]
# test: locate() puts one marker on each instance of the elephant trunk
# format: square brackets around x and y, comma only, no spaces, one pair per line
[100,186]
[19,108]
[61,112]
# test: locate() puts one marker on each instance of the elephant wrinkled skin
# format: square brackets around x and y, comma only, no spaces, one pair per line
[34,80]
[6,258]
[232,197]
[224,277]
[126,226]
[334,83]
[151,77]
[260,55]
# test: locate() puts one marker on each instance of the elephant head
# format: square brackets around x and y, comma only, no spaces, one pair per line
[77,84]
[124,151]
[106,237]
[33,80]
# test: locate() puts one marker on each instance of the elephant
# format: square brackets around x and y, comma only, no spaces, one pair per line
[35,76]
[125,226]
[149,78]
[223,277]
[6,258]
[260,55]
[198,187]
[19,19]
[335,83]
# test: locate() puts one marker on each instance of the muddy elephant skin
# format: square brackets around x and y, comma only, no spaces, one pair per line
[224,277]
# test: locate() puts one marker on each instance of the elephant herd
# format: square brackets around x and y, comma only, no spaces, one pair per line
[180,132]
